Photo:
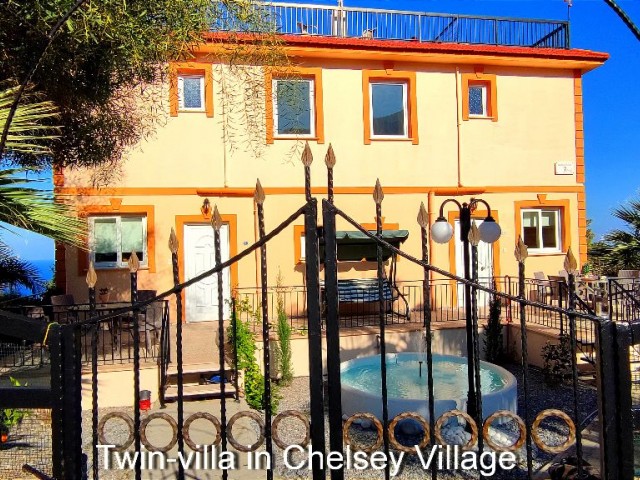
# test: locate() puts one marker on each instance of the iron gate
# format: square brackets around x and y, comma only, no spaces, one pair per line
[585,331]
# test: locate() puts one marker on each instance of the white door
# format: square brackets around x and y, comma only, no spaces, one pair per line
[485,265]
[202,297]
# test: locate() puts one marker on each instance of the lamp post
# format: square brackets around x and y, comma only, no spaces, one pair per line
[442,232]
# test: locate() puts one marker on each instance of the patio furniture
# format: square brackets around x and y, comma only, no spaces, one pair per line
[63,310]
[149,320]
[559,287]
[543,287]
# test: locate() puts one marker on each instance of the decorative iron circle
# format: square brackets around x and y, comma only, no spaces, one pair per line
[551,412]
[187,425]
[290,413]
[404,416]
[143,432]
[237,445]
[456,413]
[366,416]
[522,430]
[122,416]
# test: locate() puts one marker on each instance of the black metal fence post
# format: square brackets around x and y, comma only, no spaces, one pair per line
[334,394]
[316,401]
[571,265]
[216,223]
[92,279]
[521,255]
[423,221]
[134,265]
[174,245]
[378,196]
[260,197]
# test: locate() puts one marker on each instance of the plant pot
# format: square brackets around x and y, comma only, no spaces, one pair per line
[4,436]
[104,297]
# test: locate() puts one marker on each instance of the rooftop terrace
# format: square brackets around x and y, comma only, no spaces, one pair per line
[366,23]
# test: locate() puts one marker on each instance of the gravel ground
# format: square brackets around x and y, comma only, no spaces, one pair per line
[541,397]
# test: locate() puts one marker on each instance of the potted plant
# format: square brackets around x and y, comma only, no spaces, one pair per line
[10,417]
[104,294]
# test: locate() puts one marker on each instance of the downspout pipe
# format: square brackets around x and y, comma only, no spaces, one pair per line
[458,126]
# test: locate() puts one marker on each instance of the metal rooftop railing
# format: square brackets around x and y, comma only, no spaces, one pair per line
[366,23]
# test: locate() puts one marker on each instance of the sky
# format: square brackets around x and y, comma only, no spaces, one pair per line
[611,98]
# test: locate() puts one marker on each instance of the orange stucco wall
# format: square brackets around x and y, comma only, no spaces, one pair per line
[506,161]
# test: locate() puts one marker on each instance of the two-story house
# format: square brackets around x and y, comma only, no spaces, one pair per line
[435,106]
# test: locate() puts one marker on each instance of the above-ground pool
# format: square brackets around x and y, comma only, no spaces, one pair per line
[407,390]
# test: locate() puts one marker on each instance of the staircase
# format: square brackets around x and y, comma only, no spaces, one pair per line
[199,381]
[201,372]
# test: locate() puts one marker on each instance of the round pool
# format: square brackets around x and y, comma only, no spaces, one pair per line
[407,388]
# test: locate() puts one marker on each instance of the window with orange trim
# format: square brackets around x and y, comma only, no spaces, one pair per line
[294,104]
[479,96]
[112,239]
[191,88]
[389,106]
[299,246]
[544,226]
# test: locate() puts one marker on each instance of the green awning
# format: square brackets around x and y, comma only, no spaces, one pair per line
[354,246]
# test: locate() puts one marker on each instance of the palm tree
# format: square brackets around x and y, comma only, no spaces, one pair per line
[21,204]
[620,248]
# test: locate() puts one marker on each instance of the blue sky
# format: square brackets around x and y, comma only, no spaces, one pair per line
[611,97]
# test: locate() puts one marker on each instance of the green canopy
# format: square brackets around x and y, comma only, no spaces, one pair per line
[354,246]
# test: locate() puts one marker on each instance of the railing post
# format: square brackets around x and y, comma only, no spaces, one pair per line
[316,401]
[474,240]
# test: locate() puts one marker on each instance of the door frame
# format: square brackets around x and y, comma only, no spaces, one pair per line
[454,215]
[230,219]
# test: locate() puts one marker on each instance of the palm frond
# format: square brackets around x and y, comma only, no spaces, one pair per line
[27,132]
[15,272]
[37,210]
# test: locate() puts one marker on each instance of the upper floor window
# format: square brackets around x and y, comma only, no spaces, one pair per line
[293,107]
[389,110]
[479,96]
[541,229]
[390,106]
[478,100]
[191,93]
[113,238]
[190,88]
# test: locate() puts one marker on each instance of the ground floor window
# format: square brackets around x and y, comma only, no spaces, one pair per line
[541,229]
[113,238]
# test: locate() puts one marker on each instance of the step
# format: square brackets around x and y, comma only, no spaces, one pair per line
[192,368]
[196,390]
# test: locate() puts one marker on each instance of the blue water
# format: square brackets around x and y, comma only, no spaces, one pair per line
[404,380]
[44,268]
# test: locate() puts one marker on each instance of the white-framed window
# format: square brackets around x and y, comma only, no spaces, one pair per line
[389,110]
[541,229]
[477,100]
[191,93]
[113,238]
[294,108]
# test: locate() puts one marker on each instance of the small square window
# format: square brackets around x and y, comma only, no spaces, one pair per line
[541,230]
[293,107]
[191,93]
[478,100]
[389,112]
[113,238]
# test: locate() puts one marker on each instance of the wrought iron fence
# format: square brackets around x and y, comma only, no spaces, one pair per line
[115,336]
[379,24]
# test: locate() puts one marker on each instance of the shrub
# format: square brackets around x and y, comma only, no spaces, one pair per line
[10,417]
[243,342]
[557,360]
[284,337]
[493,344]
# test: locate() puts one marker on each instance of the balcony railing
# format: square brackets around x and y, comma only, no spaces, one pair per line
[366,23]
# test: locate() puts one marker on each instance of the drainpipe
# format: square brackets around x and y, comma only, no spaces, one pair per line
[458,126]
[430,216]
[255,236]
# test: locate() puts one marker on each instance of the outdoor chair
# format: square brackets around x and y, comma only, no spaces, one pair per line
[543,287]
[149,320]
[558,286]
[62,310]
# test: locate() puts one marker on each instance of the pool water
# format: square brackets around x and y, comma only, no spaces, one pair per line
[404,380]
